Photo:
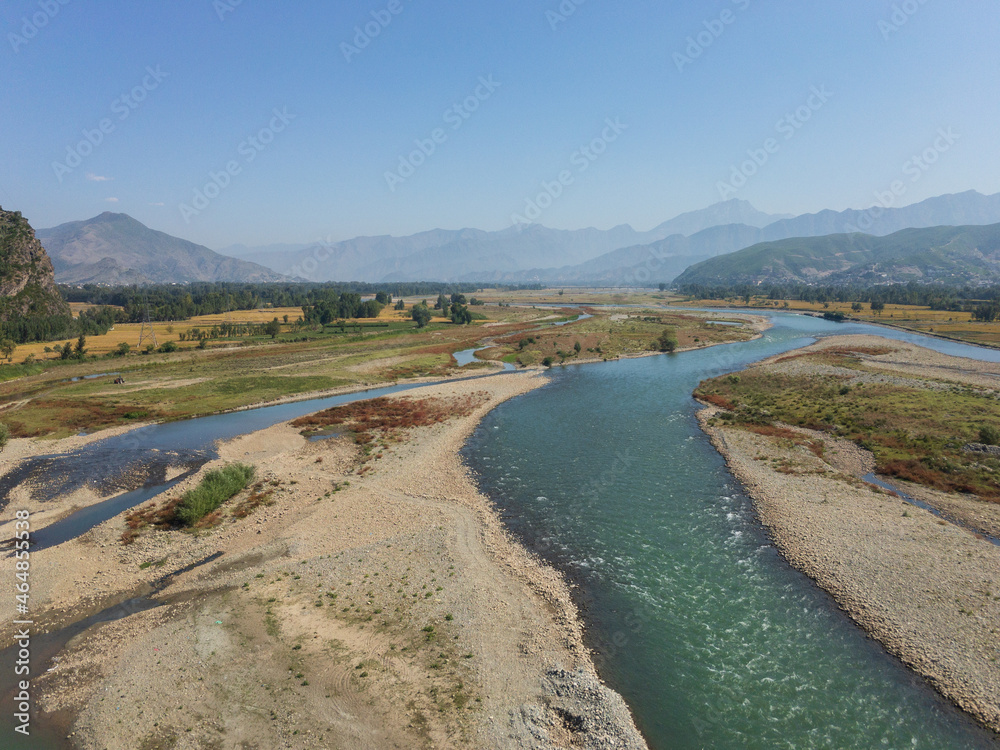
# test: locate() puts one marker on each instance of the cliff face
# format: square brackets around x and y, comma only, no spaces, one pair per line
[27,279]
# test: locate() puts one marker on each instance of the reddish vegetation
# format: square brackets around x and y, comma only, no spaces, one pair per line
[772,431]
[388,415]
[716,400]
[873,351]
[82,414]
[913,470]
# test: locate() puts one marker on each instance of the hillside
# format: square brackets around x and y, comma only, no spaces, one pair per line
[957,255]
[663,260]
[477,255]
[30,304]
[117,249]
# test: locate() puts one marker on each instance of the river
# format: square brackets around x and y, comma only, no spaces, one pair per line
[712,639]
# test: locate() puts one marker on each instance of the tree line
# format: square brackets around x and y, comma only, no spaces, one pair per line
[981,301]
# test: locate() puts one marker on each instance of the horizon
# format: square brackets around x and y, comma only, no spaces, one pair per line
[321,241]
[386,119]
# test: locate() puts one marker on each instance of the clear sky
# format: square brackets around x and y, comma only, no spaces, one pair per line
[186,88]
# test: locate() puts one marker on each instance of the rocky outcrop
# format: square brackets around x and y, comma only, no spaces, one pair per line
[27,280]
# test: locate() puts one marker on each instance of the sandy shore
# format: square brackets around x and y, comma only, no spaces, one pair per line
[376,604]
[928,590]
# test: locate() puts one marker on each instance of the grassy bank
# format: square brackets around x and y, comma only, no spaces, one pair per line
[916,428]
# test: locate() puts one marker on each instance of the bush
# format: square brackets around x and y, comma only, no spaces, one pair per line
[4,436]
[217,487]
[123,349]
[548,361]
[168,347]
[989,435]
[667,341]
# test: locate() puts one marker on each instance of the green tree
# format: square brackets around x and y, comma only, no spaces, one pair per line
[81,347]
[67,351]
[577,347]
[460,315]
[400,305]
[7,346]
[458,299]
[383,298]
[123,349]
[856,307]
[878,306]
[273,328]
[667,342]
[422,314]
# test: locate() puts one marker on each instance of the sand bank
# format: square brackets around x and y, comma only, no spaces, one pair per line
[372,605]
[928,590]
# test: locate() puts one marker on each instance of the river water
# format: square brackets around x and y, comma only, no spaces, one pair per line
[714,641]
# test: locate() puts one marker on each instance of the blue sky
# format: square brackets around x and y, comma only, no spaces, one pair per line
[182,88]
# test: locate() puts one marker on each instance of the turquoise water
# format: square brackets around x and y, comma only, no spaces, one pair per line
[712,639]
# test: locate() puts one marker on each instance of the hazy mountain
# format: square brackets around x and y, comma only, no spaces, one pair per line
[732,211]
[957,255]
[662,261]
[115,248]
[27,283]
[447,255]
[617,256]
[958,209]
[643,264]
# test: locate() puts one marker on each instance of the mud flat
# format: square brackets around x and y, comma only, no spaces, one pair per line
[372,601]
[927,589]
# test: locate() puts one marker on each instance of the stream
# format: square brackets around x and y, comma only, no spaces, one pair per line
[713,640]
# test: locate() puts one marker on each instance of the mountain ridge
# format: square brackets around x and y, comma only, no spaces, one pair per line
[114,248]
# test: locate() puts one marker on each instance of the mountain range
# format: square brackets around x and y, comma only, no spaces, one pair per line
[951,255]
[115,249]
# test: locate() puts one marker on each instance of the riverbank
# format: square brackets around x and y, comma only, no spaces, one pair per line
[923,587]
[375,602]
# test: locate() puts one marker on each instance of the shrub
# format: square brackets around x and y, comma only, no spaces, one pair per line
[217,487]
[548,361]
[168,347]
[4,436]
[989,435]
